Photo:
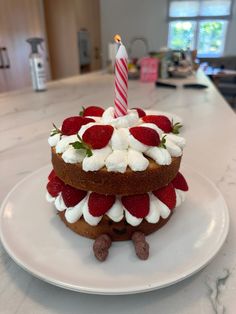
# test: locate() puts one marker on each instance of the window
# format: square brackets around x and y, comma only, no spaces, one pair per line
[200,25]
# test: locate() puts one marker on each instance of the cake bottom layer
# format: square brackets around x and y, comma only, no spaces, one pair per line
[118,231]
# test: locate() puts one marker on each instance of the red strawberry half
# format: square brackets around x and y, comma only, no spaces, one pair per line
[141,112]
[98,136]
[180,183]
[167,195]
[93,111]
[55,186]
[161,121]
[99,204]
[52,175]
[145,135]
[137,205]
[72,196]
[72,125]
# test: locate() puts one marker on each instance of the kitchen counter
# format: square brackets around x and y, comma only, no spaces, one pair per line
[210,130]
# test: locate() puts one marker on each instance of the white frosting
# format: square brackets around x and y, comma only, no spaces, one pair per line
[117,212]
[136,145]
[73,214]
[136,160]
[154,212]
[119,139]
[172,148]
[126,121]
[91,220]
[65,142]
[59,203]
[123,149]
[54,139]
[50,198]
[72,156]
[132,220]
[160,155]
[117,161]
[97,160]
[176,139]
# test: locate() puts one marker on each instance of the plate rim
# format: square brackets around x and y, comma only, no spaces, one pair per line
[109,291]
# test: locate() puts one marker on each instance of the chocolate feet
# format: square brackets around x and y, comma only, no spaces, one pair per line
[140,244]
[101,247]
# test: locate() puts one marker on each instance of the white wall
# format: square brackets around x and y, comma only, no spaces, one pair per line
[146,18]
[132,18]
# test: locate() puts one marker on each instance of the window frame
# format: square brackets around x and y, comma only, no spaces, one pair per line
[198,19]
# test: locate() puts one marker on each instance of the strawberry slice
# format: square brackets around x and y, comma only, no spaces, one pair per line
[179,182]
[93,111]
[167,195]
[145,135]
[55,186]
[161,121]
[52,175]
[98,136]
[72,196]
[99,204]
[72,125]
[141,112]
[137,205]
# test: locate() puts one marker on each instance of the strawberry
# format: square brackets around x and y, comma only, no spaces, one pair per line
[163,123]
[52,175]
[55,186]
[166,195]
[72,125]
[137,205]
[141,112]
[93,111]
[145,135]
[98,136]
[99,204]
[72,196]
[179,182]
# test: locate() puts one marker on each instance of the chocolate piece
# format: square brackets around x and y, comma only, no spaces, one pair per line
[140,244]
[101,246]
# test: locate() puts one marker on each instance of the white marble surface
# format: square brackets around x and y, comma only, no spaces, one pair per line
[210,129]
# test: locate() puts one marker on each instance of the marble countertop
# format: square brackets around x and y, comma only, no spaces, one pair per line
[210,130]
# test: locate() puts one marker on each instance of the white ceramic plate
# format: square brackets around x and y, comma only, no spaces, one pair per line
[39,242]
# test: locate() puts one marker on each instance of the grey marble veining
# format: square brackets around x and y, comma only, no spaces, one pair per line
[210,130]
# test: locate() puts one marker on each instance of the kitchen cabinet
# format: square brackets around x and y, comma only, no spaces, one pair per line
[19,20]
[73,30]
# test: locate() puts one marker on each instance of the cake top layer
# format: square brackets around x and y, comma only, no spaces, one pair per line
[97,139]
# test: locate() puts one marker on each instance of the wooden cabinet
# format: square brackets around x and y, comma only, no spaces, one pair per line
[63,21]
[19,20]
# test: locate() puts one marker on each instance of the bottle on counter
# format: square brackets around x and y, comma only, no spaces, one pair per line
[36,62]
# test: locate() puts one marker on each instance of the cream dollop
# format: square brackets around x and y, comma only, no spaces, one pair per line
[72,156]
[136,160]
[130,119]
[154,213]
[97,160]
[117,161]
[119,139]
[172,148]
[91,220]
[59,203]
[160,155]
[176,139]
[74,213]
[54,139]
[116,212]
[132,220]
[65,142]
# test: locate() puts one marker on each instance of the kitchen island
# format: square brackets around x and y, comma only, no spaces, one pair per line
[210,129]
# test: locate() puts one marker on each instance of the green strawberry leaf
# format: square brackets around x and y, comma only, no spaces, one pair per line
[81,113]
[80,144]
[176,127]
[163,142]
[55,131]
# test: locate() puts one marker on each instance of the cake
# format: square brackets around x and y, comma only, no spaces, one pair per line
[116,179]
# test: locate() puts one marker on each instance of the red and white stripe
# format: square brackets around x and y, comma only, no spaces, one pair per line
[121,87]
